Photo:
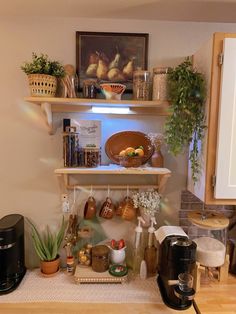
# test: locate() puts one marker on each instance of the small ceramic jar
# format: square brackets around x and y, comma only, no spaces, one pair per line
[117,256]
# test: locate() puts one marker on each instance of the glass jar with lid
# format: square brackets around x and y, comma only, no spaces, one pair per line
[92,156]
[159,87]
[141,85]
[89,89]
[209,231]
[70,147]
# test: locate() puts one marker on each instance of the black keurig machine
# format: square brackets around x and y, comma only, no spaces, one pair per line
[12,260]
[176,264]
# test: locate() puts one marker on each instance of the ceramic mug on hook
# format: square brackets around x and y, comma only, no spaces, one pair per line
[90,208]
[107,209]
[126,209]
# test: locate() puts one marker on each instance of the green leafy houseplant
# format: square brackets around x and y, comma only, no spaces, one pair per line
[186,123]
[43,65]
[47,244]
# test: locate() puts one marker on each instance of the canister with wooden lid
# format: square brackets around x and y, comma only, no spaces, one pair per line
[209,231]
[100,258]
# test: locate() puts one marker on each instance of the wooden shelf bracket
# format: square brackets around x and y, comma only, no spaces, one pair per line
[47,110]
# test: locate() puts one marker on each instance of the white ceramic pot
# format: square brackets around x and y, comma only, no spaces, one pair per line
[117,256]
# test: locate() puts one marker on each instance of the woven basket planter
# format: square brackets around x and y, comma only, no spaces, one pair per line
[42,85]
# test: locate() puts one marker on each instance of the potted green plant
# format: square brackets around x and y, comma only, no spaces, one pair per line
[186,124]
[42,75]
[47,245]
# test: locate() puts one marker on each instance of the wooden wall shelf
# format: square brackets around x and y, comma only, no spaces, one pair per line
[162,175]
[56,104]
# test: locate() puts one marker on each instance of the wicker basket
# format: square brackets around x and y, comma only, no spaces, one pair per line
[42,85]
[130,161]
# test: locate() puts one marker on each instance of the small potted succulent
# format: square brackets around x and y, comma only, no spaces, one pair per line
[42,75]
[47,245]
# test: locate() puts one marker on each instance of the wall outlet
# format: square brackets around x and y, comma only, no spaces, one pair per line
[65,203]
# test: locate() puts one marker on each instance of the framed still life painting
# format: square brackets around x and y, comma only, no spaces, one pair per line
[110,57]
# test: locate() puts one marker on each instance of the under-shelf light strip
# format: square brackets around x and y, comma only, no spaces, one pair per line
[116,110]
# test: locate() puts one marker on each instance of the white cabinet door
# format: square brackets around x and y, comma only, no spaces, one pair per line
[226,146]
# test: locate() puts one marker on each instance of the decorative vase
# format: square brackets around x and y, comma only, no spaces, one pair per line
[157,159]
[50,267]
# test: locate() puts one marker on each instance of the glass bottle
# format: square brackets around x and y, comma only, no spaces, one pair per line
[159,89]
[141,85]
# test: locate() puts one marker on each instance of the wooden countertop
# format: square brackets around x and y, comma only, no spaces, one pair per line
[216,298]
[81,308]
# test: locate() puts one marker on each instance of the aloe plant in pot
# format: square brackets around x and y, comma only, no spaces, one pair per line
[47,245]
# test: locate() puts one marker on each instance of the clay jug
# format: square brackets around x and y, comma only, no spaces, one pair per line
[157,159]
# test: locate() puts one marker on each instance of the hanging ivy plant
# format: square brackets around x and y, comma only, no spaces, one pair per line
[186,124]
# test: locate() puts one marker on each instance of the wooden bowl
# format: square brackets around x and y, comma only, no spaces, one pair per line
[121,140]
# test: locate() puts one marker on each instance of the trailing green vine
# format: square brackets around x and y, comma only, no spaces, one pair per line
[186,124]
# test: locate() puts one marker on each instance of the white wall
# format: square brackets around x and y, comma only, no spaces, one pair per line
[29,155]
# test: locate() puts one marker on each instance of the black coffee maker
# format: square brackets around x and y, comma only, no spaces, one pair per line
[176,256]
[12,252]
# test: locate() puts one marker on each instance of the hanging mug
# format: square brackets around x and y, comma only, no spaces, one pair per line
[127,209]
[90,208]
[107,209]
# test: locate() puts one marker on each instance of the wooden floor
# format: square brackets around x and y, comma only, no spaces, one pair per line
[212,299]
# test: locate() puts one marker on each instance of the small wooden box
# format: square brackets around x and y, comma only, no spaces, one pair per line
[87,275]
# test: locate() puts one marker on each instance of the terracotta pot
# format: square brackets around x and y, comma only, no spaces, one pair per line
[50,267]
[157,159]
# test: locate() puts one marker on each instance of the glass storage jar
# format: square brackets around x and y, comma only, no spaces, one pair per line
[70,147]
[92,157]
[209,231]
[89,89]
[141,85]
[159,87]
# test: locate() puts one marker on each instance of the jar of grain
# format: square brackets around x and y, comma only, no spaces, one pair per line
[92,157]
[159,89]
[100,258]
[141,85]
